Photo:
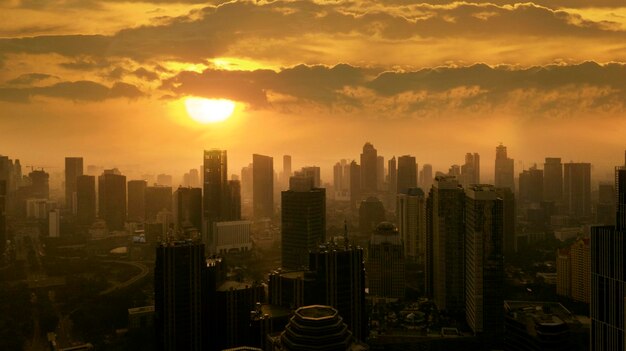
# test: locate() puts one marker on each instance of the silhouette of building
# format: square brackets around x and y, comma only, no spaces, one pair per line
[321,325]
[188,209]
[85,199]
[484,265]
[73,169]
[605,209]
[577,190]
[137,200]
[263,186]
[215,185]
[426,177]
[180,296]
[385,263]
[40,188]
[371,213]
[407,173]
[573,270]
[411,218]
[234,201]
[380,173]
[341,181]
[369,160]
[504,169]
[470,170]
[313,172]
[234,302]
[531,186]
[164,180]
[303,221]
[392,184]
[445,261]
[553,179]
[158,198]
[340,283]
[112,199]
[3,217]
[355,185]
[508,236]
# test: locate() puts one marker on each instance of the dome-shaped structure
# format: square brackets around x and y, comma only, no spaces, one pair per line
[316,328]
[386,228]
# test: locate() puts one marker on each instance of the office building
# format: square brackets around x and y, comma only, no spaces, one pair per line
[234,302]
[484,265]
[341,181]
[313,172]
[470,170]
[426,177]
[445,258]
[407,173]
[40,188]
[605,209]
[73,169]
[54,223]
[553,179]
[85,199]
[369,174]
[386,263]
[504,169]
[286,174]
[180,300]
[215,185]
[232,236]
[411,218]
[158,199]
[509,237]
[263,186]
[573,270]
[187,209]
[112,199]
[380,173]
[233,201]
[392,184]
[355,185]
[164,180]
[577,190]
[371,213]
[303,221]
[531,186]
[137,200]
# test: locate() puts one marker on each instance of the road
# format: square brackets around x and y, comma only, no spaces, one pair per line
[143,271]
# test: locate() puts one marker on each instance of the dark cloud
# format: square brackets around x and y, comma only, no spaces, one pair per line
[75,91]
[29,78]
[541,89]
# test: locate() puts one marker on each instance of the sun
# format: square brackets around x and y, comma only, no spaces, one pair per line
[209,110]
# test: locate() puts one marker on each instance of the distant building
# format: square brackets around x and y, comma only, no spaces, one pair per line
[386,263]
[234,303]
[470,170]
[137,200]
[577,190]
[355,185]
[426,177]
[164,180]
[188,209]
[73,169]
[85,199]
[553,179]
[504,169]
[313,172]
[407,173]
[232,236]
[3,216]
[573,271]
[369,174]
[531,186]
[392,184]
[112,199]
[54,223]
[411,218]
[341,181]
[40,187]
[158,198]
[263,186]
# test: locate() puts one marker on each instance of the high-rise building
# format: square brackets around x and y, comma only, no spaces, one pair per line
[531,186]
[508,236]
[504,169]
[158,198]
[553,179]
[426,177]
[303,221]
[470,171]
[385,263]
[371,213]
[180,299]
[73,169]
[112,199]
[215,184]
[608,277]
[340,276]
[392,184]
[188,209]
[313,172]
[574,271]
[85,199]
[54,223]
[411,217]
[447,256]
[407,173]
[577,190]
[40,188]
[341,181]
[355,185]
[3,216]
[246,183]
[369,159]
[137,200]
[484,265]
[605,209]
[164,180]
[380,173]
[263,186]
[234,201]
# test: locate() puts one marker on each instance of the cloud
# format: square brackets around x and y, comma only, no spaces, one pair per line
[75,91]
[30,78]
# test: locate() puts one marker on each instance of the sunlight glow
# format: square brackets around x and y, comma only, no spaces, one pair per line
[209,110]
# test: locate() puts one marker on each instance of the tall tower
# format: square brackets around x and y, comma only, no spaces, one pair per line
[73,169]
[470,171]
[411,217]
[215,185]
[484,265]
[137,200]
[385,263]
[263,186]
[303,221]
[85,199]
[447,256]
[426,177]
[392,184]
[577,189]
[355,185]
[504,169]
[40,184]
[179,298]
[531,186]
[188,209]
[369,159]
[112,199]
[407,173]
[553,179]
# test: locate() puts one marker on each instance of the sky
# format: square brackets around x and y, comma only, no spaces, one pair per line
[107,80]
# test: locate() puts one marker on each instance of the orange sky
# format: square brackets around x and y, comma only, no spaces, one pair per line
[105,79]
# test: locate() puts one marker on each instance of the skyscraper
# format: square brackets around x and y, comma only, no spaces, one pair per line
[447,255]
[313,172]
[234,201]
[577,190]
[504,169]
[553,179]
[385,263]
[286,173]
[573,272]
[137,200]
[470,170]
[411,217]
[484,265]
[341,180]
[531,186]
[215,185]
[508,236]
[392,184]
[407,173]
[179,297]
[73,169]
[85,199]
[158,198]
[371,213]
[39,184]
[426,177]
[380,173]
[263,186]
[112,199]
[188,209]
[369,160]
[303,221]
[355,185]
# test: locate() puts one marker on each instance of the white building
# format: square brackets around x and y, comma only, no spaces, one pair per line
[233,236]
